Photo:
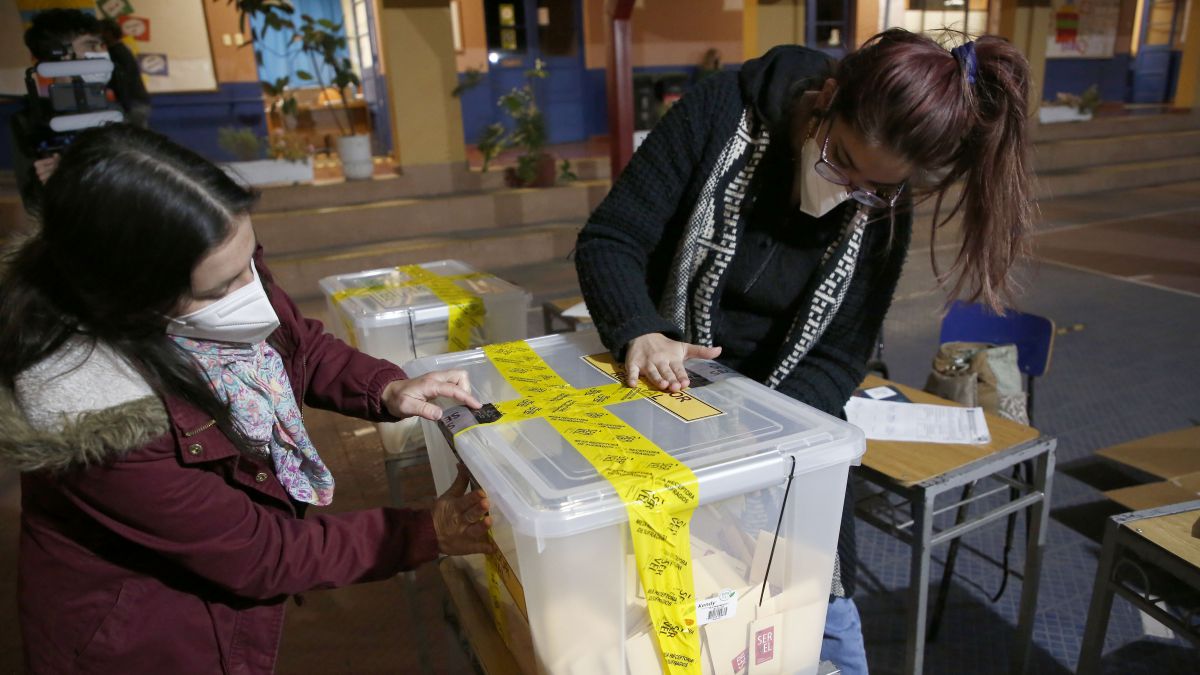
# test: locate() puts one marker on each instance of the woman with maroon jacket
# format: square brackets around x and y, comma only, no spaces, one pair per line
[152,379]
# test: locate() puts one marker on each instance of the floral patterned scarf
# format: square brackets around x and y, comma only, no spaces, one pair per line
[250,379]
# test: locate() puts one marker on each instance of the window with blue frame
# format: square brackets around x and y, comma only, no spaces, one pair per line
[279,56]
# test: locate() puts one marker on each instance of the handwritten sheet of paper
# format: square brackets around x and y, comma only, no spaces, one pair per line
[887,421]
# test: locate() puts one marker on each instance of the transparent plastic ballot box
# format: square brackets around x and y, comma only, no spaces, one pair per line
[402,313]
[771,476]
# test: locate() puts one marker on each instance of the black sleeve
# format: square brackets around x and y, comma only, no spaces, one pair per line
[126,79]
[24,150]
[827,376]
[616,243]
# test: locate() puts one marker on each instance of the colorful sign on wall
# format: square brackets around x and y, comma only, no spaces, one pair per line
[136,27]
[1082,29]
[176,55]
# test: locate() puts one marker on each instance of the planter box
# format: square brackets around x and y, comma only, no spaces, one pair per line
[264,172]
[1061,113]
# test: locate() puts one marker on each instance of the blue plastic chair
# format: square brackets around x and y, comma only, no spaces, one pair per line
[1034,337]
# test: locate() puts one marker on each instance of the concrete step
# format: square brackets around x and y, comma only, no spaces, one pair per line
[1098,177]
[384,221]
[1089,152]
[486,249]
[1119,125]
[547,280]
[414,182]
[1105,177]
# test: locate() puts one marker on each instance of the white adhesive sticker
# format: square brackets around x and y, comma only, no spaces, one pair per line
[723,606]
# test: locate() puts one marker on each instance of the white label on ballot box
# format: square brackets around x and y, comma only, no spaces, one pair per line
[723,606]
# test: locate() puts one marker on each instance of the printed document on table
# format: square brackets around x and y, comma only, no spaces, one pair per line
[887,421]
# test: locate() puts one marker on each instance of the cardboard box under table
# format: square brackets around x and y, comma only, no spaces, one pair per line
[402,313]
[735,492]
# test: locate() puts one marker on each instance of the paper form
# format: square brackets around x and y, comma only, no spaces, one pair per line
[887,421]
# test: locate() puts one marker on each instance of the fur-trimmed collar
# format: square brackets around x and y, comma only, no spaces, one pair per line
[87,412]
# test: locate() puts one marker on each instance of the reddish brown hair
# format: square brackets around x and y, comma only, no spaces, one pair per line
[908,94]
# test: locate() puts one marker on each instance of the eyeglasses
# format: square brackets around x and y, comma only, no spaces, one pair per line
[830,172]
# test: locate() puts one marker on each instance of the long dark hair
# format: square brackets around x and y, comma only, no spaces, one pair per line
[125,218]
[907,93]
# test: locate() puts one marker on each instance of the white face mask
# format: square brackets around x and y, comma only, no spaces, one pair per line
[817,195]
[244,316]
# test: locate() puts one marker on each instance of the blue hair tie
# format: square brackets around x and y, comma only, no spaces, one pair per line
[965,55]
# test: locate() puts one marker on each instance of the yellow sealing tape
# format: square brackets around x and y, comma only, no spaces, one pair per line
[466,308]
[659,492]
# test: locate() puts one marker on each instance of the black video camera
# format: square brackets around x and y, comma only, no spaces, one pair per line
[77,99]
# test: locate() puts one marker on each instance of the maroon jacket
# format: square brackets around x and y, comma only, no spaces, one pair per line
[149,544]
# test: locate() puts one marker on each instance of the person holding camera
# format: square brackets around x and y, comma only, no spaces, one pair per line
[64,35]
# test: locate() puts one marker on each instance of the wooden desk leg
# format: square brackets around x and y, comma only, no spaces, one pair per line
[1092,647]
[1035,543]
[918,588]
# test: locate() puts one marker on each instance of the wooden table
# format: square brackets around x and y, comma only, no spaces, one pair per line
[1139,549]
[908,478]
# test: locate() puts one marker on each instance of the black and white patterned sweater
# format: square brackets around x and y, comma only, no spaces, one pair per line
[656,254]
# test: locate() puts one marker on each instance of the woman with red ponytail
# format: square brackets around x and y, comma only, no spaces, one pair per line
[765,221]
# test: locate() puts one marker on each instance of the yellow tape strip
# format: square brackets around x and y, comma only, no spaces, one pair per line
[466,309]
[659,492]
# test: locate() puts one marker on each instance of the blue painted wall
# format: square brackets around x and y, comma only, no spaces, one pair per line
[479,103]
[192,120]
[1073,76]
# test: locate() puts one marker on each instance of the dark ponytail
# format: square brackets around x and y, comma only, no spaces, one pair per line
[125,219]
[907,93]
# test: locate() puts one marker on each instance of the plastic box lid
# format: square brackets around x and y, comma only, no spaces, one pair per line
[547,489]
[396,302]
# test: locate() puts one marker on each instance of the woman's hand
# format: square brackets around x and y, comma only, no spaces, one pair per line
[405,398]
[460,519]
[660,359]
[44,167]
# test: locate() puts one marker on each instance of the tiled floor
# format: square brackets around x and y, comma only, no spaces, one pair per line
[1124,367]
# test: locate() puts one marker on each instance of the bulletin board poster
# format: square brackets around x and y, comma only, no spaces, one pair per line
[175,55]
[1082,29]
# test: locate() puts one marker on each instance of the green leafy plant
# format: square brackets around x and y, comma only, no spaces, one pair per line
[288,146]
[1086,103]
[1089,100]
[241,142]
[471,79]
[528,127]
[320,41]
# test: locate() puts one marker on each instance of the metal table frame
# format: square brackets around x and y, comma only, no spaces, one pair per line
[911,521]
[1122,538]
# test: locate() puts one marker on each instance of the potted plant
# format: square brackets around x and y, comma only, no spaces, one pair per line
[288,158]
[321,42]
[535,167]
[1071,107]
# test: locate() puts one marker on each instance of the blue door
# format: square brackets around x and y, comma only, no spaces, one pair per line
[521,31]
[828,26]
[1156,65]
